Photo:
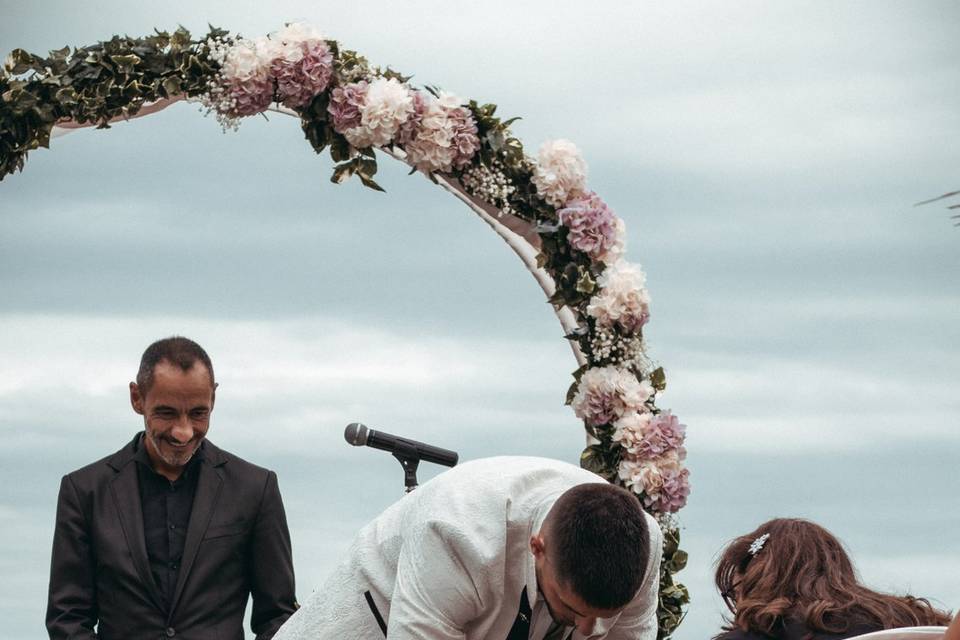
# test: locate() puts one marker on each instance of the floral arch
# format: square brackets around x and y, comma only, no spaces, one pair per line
[565,234]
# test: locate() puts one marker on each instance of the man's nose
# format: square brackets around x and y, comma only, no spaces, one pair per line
[182,430]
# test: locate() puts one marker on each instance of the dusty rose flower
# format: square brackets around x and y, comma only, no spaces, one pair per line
[303,72]
[344,107]
[674,491]
[440,135]
[662,483]
[592,225]
[560,173]
[661,434]
[248,86]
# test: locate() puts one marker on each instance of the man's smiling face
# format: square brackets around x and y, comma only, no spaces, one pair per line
[176,414]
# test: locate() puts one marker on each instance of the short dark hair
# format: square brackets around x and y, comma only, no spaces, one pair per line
[599,543]
[177,350]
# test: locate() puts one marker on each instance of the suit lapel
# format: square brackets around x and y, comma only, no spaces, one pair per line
[204,503]
[126,493]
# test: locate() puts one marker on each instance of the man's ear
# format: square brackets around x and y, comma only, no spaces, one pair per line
[136,400]
[213,395]
[537,546]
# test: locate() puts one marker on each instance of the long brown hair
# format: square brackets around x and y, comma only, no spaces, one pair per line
[802,574]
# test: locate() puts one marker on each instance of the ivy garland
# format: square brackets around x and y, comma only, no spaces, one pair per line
[350,108]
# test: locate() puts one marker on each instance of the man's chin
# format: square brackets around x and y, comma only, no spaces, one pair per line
[178,457]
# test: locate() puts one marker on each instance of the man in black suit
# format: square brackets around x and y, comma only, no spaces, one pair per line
[168,537]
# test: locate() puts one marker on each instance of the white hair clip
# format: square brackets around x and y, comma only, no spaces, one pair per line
[757,544]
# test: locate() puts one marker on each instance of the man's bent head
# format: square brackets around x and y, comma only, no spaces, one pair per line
[591,553]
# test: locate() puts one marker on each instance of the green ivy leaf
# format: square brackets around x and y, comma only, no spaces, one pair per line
[125,63]
[658,379]
[339,149]
[677,562]
[21,61]
[342,172]
[592,460]
[586,284]
[369,182]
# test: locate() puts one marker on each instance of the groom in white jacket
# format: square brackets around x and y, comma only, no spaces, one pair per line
[503,548]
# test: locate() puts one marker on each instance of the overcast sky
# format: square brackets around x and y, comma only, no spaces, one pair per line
[765,157]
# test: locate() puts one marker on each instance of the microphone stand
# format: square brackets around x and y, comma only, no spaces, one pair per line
[409,459]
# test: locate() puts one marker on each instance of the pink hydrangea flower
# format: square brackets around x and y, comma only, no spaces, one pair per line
[250,97]
[593,227]
[248,85]
[674,492]
[304,74]
[663,483]
[440,135]
[345,103]
[662,434]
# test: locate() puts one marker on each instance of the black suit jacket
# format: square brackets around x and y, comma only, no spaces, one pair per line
[237,544]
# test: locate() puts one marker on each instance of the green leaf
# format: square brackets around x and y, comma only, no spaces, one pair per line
[591,460]
[658,379]
[171,86]
[586,284]
[342,172]
[339,149]
[21,61]
[677,562]
[369,182]
[125,63]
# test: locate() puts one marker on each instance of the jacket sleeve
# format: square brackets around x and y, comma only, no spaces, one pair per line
[72,599]
[271,565]
[439,586]
[638,621]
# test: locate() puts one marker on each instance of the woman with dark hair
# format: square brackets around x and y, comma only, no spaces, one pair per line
[791,579]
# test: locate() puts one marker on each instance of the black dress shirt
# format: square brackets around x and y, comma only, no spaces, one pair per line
[166,513]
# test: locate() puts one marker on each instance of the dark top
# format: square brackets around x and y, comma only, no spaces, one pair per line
[166,513]
[794,630]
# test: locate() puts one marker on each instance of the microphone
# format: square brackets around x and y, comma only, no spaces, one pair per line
[359,435]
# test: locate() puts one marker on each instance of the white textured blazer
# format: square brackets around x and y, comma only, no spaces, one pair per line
[451,559]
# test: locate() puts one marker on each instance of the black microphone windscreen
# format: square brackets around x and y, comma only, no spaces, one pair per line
[355,434]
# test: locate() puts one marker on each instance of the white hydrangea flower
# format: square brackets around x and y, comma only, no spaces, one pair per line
[298,32]
[623,298]
[630,428]
[607,393]
[387,105]
[290,39]
[560,173]
[641,476]
[243,62]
